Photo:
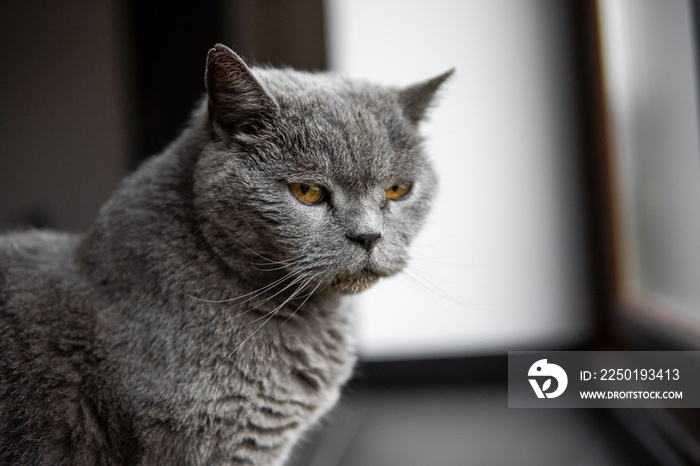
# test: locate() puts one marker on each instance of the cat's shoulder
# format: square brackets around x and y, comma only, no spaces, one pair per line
[35,243]
[48,370]
[36,268]
[34,254]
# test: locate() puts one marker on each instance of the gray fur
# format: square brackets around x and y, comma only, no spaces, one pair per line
[199,320]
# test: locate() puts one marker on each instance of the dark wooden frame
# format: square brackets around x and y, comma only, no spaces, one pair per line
[626,318]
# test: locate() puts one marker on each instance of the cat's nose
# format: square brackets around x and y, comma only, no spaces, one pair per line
[367,241]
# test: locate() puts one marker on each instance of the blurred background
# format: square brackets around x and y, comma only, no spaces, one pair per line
[567,217]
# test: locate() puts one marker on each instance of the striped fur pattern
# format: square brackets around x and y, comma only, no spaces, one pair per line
[200,320]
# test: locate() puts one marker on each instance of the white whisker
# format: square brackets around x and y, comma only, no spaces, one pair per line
[293,282]
[252,294]
[269,316]
[303,302]
[428,258]
[430,295]
[258,266]
[294,295]
[431,287]
[271,261]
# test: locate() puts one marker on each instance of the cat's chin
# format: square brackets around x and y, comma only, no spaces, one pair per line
[355,283]
[352,287]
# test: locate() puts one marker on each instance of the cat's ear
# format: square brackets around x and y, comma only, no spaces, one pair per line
[416,99]
[236,99]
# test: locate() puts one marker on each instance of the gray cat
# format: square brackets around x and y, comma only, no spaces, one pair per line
[199,321]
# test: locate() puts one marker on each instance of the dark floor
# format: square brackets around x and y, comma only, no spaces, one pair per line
[458,427]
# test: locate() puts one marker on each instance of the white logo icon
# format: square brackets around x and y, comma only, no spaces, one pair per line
[543,369]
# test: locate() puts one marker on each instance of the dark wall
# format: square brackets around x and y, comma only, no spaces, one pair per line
[63,111]
[169,43]
[90,88]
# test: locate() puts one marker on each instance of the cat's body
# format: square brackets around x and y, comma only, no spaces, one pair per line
[199,320]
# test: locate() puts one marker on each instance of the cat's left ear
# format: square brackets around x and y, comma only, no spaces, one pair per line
[236,99]
[416,99]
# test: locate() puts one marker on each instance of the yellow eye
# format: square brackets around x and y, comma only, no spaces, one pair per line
[308,193]
[398,191]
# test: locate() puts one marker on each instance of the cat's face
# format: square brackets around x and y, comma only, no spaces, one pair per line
[326,181]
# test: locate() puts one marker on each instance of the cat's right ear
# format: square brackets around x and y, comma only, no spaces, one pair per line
[237,101]
[416,99]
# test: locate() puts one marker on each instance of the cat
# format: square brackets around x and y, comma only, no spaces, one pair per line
[199,320]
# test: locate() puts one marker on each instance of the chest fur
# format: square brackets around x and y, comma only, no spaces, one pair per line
[243,397]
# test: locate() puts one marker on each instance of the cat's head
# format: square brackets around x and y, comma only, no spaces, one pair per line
[313,175]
